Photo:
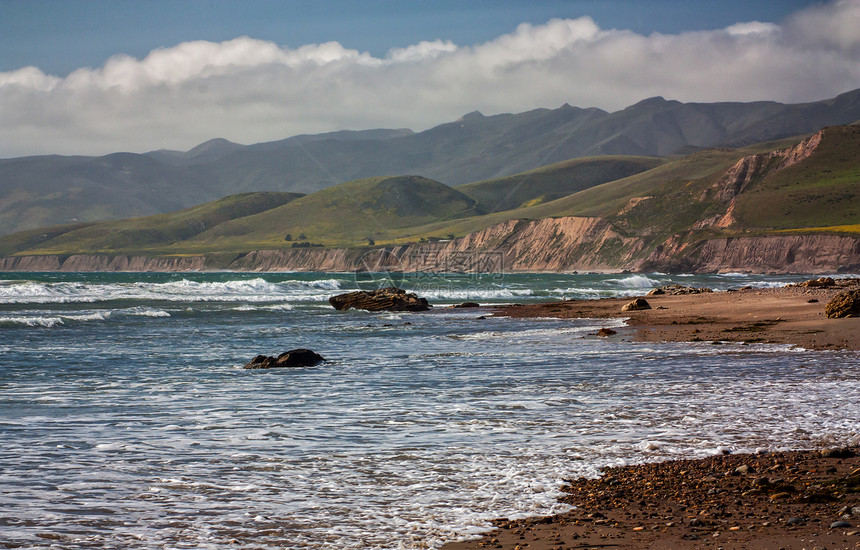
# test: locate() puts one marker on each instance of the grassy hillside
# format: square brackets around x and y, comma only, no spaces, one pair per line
[820,192]
[658,202]
[52,190]
[150,234]
[349,214]
[606,199]
[554,181]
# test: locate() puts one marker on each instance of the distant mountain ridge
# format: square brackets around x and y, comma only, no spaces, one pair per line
[50,190]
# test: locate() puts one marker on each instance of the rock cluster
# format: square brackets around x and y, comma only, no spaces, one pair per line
[293,358]
[821,282]
[844,304]
[383,299]
[675,290]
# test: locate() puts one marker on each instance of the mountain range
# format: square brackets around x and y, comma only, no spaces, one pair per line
[42,191]
[786,205]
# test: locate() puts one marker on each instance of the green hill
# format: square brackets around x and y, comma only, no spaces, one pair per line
[707,193]
[345,215]
[672,197]
[822,191]
[150,234]
[554,181]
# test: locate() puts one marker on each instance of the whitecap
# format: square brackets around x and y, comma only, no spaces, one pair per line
[635,281]
[325,284]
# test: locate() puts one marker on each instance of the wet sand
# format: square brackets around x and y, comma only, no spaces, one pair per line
[786,500]
[789,315]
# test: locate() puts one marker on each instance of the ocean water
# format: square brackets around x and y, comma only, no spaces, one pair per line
[126,420]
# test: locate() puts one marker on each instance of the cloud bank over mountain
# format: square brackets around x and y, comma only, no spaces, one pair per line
[249,90]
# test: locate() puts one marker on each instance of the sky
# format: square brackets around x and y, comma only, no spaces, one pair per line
[98,76]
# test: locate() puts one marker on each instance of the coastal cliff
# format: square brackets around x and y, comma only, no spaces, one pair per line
[550,244]
[94,262]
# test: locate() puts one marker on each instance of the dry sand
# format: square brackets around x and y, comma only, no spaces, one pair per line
[790,500]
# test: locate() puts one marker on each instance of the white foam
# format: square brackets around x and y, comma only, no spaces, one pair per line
[49,321]
[636,281]
[326,284]
[185,290]
[142,311]
[473,293]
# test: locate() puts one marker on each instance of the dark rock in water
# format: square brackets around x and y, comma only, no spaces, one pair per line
[844,304]
[604,332]
[636,305]
[292,358]
[468,304]
[676,290]
[384,299]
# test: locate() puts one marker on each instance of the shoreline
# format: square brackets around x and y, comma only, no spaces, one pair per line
[775,500]
[791,315]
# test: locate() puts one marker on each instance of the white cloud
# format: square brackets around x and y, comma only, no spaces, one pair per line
[251,90]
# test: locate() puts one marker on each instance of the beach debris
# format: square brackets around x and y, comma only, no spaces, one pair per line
[636,305]
[676,290]
[844,304]
[383,299]
[294,358]
[604,332]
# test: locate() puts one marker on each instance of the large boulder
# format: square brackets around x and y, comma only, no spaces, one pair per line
[636,305]
[384,299]
[821,282]
[292,358]
[844,304]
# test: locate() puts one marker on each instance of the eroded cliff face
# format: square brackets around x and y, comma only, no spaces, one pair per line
[92,262]
[763,254]
[552,244]
[739,177]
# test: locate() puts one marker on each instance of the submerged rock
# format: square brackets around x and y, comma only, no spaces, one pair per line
[293,358]
[636,305]
[468,304]
[844,304]
[604,332]
[384,299]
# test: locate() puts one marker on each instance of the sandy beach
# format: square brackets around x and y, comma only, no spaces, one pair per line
[781,500]
[792,315]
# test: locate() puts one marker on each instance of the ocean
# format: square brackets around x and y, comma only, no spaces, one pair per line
[127,421]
